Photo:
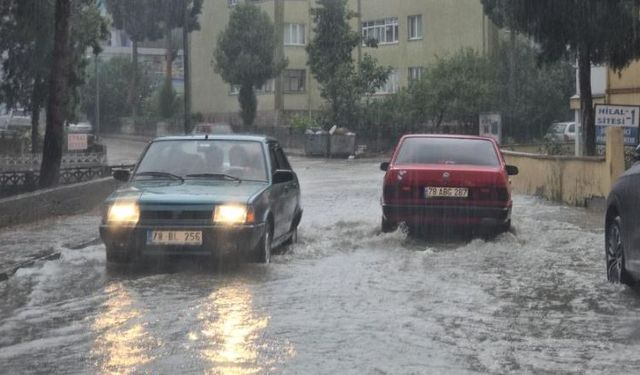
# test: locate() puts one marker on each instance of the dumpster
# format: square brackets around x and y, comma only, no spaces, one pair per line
[343,144]
[316,142]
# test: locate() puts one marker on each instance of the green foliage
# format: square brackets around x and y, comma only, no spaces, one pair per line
[26,48]
[592,31]
[300,121]
[342,82]
[244,55]
[139,18]
[114,80]
[455,89]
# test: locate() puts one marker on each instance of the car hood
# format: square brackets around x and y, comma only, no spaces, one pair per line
[189,192]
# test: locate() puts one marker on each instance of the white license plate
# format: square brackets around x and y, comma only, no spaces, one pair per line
[174,237]
[435,192]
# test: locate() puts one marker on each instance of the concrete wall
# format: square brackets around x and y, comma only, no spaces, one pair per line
[64,200]
[571,180]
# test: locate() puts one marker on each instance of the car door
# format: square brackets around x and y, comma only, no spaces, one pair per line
[278,197]
[291,192]
[629,206]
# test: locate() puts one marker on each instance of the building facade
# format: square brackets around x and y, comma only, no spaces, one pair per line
[410,34]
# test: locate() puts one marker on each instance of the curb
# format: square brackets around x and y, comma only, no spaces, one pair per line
[43,257]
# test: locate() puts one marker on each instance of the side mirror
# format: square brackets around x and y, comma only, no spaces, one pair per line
[281,176]
[512,170]
[636,154]
[121,175]
[384,166]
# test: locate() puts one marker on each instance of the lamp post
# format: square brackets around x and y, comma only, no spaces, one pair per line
[187,71]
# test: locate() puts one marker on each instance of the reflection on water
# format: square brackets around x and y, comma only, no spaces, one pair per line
[121,339]
[231,332]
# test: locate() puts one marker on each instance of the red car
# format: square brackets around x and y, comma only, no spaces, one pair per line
[447,180]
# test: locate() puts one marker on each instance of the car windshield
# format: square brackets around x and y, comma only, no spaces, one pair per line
[557,128]
[242,160]
[424,150]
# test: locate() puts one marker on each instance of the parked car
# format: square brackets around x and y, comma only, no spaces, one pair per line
[561,132]
[447,180]
[212,128]
[222,196]
[81,128]
[622,227]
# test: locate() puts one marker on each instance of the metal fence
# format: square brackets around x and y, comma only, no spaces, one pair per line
[18,182]
[69,160]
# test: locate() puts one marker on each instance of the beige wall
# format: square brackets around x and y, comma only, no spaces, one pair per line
[448,26]
[571,180]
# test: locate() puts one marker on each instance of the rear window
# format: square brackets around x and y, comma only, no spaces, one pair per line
[447,151]
[557,128]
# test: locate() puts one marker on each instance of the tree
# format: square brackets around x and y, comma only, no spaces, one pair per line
[592,31]
[172,18]
[115,74]
[141,20]
[58,85]
[27,46]
[342,83]
[244,56]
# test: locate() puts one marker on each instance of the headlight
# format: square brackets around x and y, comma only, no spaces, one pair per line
[232,214]
[123,213]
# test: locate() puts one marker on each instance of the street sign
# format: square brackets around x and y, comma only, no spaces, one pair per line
[77,142]
[491,126]
[625,116]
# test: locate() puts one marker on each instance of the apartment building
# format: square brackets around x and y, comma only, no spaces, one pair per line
[410,34]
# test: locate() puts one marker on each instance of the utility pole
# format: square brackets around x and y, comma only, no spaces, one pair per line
[187,70]
[97,128]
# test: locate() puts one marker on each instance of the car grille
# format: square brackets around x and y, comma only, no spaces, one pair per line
[175,217]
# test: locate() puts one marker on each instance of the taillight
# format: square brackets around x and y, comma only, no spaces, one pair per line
[491,194]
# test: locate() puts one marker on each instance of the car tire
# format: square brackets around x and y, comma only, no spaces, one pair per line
[262,252]
[117,257]
[614,254]
[503,228]
[388,227]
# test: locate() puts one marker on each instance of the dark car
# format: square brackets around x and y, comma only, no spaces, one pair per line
[622,227]
[447,181]
[224,196]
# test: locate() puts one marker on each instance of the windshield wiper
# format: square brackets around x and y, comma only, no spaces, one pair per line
[160,174]
[215,175]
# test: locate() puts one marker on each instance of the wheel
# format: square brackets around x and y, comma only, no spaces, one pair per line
[388,227]
[503,228]
[614,253]
[118,257]
[262,253]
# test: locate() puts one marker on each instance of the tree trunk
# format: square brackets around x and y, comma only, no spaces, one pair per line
[133,92]
[586,102]
[52,150]
[36,105]
[248,105]
[168,55]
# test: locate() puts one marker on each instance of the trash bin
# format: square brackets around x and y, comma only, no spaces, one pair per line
[343,145]
[316,142]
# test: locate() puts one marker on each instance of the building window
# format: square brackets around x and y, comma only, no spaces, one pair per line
[383,31]
[294,80]
[392,85]
[294,34]
[265,89]
[415,73]
[232,3]
[415,27]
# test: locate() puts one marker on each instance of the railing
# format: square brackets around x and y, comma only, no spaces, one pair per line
[18,182]
[70,160]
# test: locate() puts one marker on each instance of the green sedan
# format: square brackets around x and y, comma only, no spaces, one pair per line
[221,196]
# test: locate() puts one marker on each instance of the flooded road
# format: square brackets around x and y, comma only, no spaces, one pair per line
[346,300]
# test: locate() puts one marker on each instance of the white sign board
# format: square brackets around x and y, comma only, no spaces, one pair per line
[77,142]
[627,117]
[491,126]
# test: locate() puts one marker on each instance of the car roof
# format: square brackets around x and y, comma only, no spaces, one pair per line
[452,136]
[218,137]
